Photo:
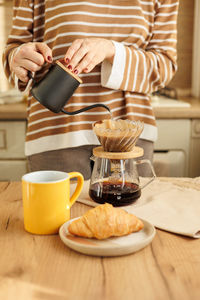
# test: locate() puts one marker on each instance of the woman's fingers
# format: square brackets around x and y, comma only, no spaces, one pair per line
[89,67]
[75,46]
[88,63]
[35,57]
[85,54]
[28,52]
[45,51]
[81,53]
[29,65]
[22,74]
[29,57]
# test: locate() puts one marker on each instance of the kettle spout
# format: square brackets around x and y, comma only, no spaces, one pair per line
[85,109]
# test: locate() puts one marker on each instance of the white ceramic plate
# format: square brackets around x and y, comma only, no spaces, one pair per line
[114,246]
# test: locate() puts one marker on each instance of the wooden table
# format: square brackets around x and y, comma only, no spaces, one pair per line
[42,267]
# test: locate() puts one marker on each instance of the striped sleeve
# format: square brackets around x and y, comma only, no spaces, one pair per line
[21,32]
[146,70]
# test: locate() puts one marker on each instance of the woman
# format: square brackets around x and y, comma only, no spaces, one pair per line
[122,50]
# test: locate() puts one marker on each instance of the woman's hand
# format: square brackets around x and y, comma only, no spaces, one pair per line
[84,54]
[29,57]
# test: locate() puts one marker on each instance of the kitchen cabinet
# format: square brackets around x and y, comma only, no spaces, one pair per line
[172,149]
[194,166]
[12,158]
[177,150]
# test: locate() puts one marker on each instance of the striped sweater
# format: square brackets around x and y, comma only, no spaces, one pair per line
[144,34]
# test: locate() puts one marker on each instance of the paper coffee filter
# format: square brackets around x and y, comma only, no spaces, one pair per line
[118,135]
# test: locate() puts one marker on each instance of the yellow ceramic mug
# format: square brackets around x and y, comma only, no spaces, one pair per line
[47,201]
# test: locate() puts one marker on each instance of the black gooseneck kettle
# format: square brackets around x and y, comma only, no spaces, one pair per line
[55,89]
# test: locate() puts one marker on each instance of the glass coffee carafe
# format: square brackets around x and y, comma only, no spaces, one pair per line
[115,177]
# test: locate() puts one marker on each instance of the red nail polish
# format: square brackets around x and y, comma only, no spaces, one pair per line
[49,59]
[75,71]
[70,67]
[67,60]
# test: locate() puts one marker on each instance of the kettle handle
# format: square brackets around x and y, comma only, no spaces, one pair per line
[85,108]
[30,76]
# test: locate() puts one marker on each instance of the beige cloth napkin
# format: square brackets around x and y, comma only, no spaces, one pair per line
[174,207]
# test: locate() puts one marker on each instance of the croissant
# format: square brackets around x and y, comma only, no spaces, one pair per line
[105,221]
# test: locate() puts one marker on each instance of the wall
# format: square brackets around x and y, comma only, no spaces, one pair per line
[183,77]
[5,24]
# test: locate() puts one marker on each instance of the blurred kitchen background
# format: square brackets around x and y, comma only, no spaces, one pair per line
[177,107]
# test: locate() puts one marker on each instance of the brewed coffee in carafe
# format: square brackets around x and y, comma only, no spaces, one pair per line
[117,194]
[114,181]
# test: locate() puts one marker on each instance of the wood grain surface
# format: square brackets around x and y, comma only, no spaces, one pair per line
[42,267]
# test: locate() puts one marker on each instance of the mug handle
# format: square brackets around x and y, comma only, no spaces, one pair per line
[79,186]
[147,161]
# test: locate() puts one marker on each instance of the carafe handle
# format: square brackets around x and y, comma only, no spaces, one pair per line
[147,161]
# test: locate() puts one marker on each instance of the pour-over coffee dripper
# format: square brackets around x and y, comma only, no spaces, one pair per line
[118,135]
[115,177]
